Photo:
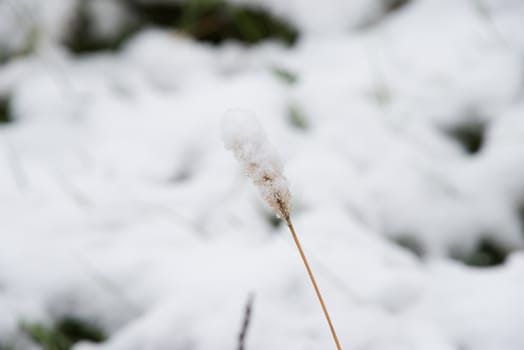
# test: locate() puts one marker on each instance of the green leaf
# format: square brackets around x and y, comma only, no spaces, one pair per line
[64,334]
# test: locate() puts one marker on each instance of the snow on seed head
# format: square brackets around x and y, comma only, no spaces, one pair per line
[243,135]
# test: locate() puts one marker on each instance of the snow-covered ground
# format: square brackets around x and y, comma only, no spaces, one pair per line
[120,206]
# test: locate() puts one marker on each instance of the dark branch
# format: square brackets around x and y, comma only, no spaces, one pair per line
[245,323]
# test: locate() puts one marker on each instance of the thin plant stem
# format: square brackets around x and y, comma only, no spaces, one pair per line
[314,282]
[245,324]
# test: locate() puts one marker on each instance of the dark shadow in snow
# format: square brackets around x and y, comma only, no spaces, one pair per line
[411,243]
[211,21]
[520,213]
[273,220]
[5,112]
[64,334]
[389,8]
[486,253]
[469,135]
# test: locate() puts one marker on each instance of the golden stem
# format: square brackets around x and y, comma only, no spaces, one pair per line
[314,282]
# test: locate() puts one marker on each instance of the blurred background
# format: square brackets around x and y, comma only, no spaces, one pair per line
[126,225]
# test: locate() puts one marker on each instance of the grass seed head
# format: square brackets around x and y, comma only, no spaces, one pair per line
[243,135]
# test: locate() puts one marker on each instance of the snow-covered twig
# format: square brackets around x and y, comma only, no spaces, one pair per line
[243,135]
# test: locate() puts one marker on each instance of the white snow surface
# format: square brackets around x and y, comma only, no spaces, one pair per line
[120,206]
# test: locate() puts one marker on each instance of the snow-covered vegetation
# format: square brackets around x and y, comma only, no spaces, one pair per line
[126,225]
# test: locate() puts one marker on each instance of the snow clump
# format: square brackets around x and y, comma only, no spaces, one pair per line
[244,136]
